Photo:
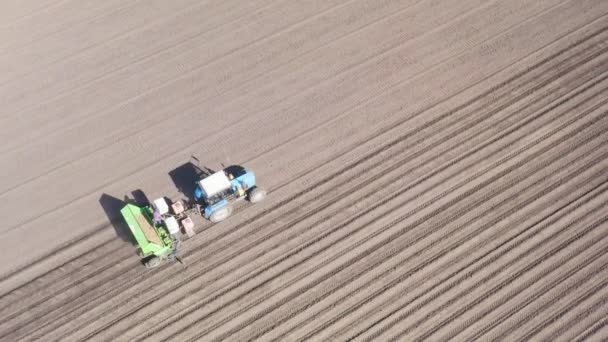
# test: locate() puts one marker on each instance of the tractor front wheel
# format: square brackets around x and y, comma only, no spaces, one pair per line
[221,214]
[256,195]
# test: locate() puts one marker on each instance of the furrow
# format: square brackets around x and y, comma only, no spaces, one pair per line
[442,196]
[260,240]
[487,250]
[527,237]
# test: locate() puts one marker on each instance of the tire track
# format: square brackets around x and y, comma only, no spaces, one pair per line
[434,172]
[243,13]
[105,12]
[511,295]
[222,125]
[574,285]
[588,313]
[451,336]
[387,242]
[407,274]
[594,329]
[510,246]
[546,271]
[578,298]
[368,157]
[528,266]
[51,303]
[87,234]
[33,12]
[562,330]
[64,166]
[596,290]
[75,241]
[505,143]
[211,62]
[467,103]
[41,283]
[492,254]
[137,29]
[460,196]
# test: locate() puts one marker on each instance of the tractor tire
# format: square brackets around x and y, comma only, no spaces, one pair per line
[152,262]
[256,195]
[221,214]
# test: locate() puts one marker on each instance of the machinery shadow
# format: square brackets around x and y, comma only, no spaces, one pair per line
[185,177]
[112,206]
[139,198]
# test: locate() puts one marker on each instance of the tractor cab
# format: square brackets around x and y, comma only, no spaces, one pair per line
[216,191]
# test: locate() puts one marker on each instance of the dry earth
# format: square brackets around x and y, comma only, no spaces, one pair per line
[436,169]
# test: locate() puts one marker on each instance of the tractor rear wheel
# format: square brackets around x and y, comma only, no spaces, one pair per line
[152,262]
[221,214]
[256,195]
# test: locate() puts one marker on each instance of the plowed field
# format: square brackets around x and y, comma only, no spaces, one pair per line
[435,169]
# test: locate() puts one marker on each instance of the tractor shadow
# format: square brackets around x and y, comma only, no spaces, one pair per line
[185,177]
[112,206]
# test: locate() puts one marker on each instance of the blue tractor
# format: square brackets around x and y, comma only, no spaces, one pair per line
[216,191]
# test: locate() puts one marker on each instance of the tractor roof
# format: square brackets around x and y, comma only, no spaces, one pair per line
[215,183]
